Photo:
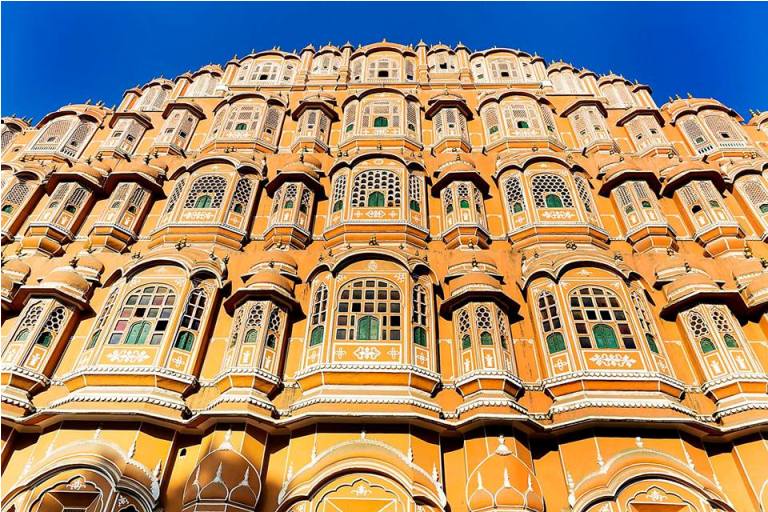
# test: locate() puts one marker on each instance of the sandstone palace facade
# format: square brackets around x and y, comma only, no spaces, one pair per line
[386,279]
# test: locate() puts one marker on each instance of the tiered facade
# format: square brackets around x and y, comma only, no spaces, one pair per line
[386,279]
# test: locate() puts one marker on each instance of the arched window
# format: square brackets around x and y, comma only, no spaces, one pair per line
[696,136]
[550,191]
[501,320]
[191,319]
[368,328]
[206,192]
[462,191]
[28,322]
[175,195]
[349,117]
[15,196]
[369,309]
[291,192]
[51,326]
[383,69]
[448,200]
[701,333]
[419,315]
[597,311]
[242,195]
[339,191]
[414,193]
[375,199]
[464,330]
[550,323]
[484,325]
[273,328]
[253,323]
[271,125]
[725,330]
[145,312]
[514,194]
[755,192]
[305,202]
[137,334]
[317,320]
[381,114]
[102,319]
[491,119]
[646,322]
[582,187]
[382,185]
[237,121]
[553,201]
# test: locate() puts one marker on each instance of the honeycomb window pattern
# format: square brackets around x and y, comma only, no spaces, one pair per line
[376,188]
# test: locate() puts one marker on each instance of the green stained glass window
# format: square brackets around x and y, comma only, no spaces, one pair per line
[555,343]
[605,337]
[368,328]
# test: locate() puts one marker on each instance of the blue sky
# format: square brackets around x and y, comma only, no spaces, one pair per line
[62,52]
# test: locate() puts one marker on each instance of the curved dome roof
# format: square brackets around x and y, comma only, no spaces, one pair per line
[16,267]
[224,475]
[68,280]
[503,482]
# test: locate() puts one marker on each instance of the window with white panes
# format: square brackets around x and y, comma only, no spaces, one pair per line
[152,98]
[125,136]
[600,319]
[203,85]
[369,309]
[589,126]
[697,137]
[645,133]
[318,316]
[326,64]
[449,122]
[755,193]
[144,316]
[191,320]
[727,133]
[637,204]
[551,324]
[704,204]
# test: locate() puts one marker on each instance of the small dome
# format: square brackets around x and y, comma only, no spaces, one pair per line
[68,280]
[474,280]
[461,262]
[16,267]
[274,261]
[268,278]
[87,170]
[507,480]
[309,166]
[90,266]
[126,167]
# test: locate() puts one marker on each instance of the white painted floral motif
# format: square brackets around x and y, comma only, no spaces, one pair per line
[76,485]
[128,356]
[361,490]
[367,353]
[613,360]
